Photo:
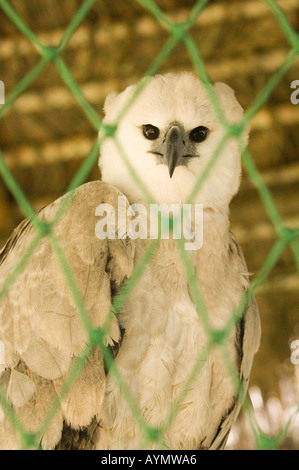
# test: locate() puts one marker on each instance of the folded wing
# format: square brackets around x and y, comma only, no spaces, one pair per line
[41,326]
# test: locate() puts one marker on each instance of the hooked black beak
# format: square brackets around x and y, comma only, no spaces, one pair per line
[175,148]
[172,144]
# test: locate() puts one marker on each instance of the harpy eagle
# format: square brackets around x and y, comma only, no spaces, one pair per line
[168,135]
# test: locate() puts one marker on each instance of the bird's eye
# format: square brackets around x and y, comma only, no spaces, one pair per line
[199,134]
[150,132]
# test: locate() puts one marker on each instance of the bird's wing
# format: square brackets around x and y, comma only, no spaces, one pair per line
[247,341]
[41,327]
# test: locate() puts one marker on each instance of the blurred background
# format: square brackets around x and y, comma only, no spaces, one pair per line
[45,137]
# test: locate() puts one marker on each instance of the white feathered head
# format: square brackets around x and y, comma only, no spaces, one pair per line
[169,135]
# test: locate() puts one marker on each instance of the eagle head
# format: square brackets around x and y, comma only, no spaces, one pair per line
[167,134]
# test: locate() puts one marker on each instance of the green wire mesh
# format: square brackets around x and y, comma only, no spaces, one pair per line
[178,32]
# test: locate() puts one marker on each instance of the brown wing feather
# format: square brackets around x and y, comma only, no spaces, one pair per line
[40,325]
[247,342]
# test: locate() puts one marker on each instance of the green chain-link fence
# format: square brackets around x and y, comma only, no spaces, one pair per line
[284,235]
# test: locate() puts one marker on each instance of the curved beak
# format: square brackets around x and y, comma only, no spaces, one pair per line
[174,147]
